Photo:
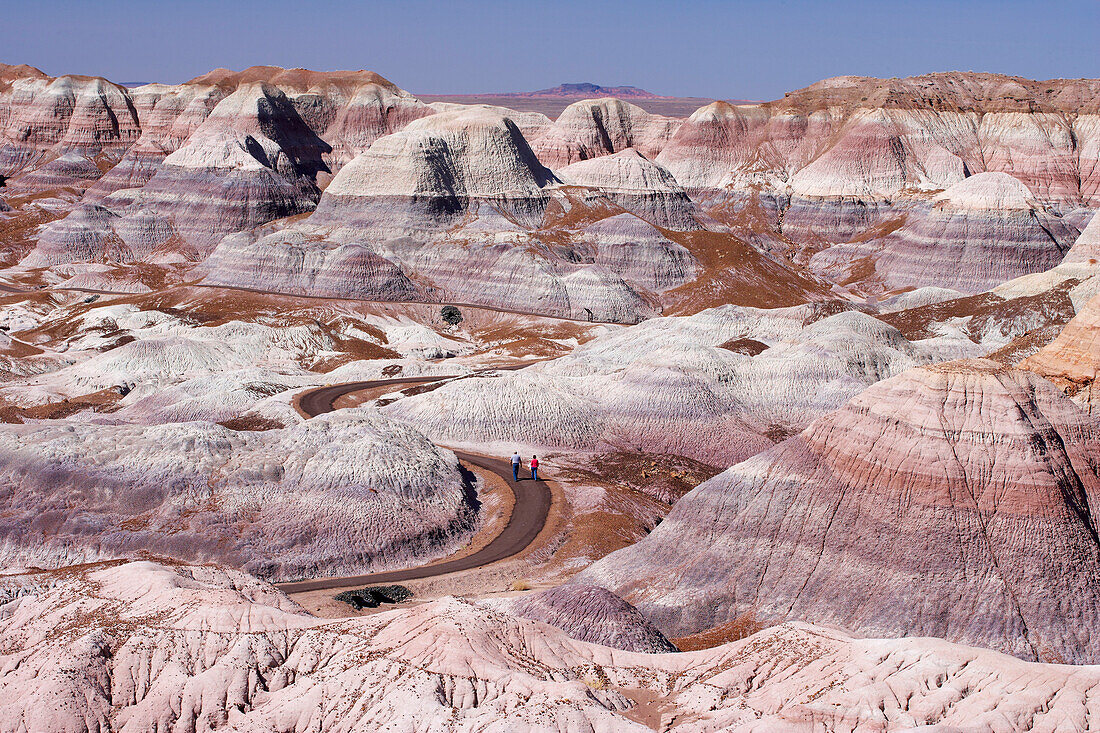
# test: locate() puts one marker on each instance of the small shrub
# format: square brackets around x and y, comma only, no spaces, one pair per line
[595,678]
[593,682]
[374,596]
[521,585]
[451,315]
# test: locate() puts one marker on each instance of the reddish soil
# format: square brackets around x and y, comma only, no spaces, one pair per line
[19,227]
[639,489]
[252,423]
[105,400]
[1052,307]
[581,213]
[736,273]
[739,628]
[746,346]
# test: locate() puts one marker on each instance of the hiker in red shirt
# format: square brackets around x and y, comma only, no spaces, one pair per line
[534,468]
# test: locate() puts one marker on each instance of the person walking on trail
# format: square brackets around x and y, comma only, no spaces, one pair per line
[534,468]
[516,460]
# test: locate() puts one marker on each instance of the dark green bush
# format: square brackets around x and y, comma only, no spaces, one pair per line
[374,596]
[451,315]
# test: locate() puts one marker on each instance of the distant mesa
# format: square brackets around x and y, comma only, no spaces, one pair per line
[552,101]
[588,90]
[581,90]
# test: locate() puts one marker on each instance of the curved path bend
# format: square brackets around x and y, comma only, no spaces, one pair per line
[529,513]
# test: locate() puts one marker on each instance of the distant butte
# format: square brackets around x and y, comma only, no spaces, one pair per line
[586,90]
[552,101]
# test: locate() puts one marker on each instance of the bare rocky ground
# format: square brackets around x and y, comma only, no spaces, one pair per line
[150,645]
[811,378]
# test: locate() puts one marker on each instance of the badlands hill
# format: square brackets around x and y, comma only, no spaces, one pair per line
[812,381]
[282,504]
[852,187]
[954,501]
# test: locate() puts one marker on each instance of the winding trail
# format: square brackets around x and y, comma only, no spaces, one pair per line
[532,500]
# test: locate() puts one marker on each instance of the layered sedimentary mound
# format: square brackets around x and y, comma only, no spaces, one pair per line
[72,170]
[96,233]
[592,614]
[529,277]
[919,132]
[351,113]
[252,160]
[956,501]
[716,387]
[531,124]
[453,208]
[461,202]
[149,646]
[222,153]
[595,127]
[845,159]
[990,221]
[43,118]
[349,109]
[639,253]
[1072,358]
[638,185]
[296,262]
[338,494]
[435,171]
[169,116]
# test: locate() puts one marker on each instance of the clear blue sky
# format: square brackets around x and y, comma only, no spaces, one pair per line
[755,50]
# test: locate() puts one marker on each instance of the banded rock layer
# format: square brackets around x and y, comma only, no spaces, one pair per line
[435,171]
[591,614]
[595,127]
[877,185]
[223,153]
[1071,359]
[454,207]
[638,185]
[281,503]
[989,221]
[717,387]
[956,501]
[847,160]
[43,118]
[859,137]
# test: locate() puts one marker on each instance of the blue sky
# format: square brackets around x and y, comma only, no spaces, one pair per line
[755,50]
